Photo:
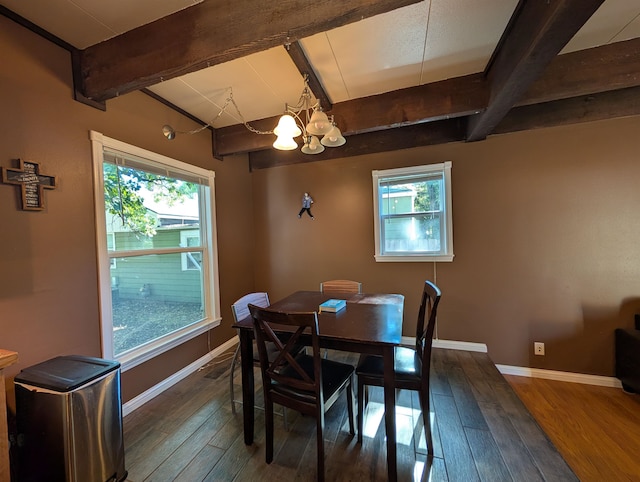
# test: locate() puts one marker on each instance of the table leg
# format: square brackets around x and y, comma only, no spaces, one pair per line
[248,395]
[390,412]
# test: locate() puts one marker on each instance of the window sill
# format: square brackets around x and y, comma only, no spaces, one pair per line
[413,259]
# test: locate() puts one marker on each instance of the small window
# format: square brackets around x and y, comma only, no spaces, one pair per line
[412,213]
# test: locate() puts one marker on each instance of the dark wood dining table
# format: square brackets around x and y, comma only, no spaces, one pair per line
[370,323]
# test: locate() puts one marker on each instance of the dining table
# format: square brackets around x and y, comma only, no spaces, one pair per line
[371,323]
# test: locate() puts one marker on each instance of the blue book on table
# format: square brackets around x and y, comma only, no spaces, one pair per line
[332,306]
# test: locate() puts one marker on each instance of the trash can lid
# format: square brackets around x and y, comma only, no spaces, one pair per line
[66,373]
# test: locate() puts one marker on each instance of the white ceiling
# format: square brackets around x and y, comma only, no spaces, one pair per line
[422,43]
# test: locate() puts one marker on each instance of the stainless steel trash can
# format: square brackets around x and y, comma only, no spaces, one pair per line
[69,421]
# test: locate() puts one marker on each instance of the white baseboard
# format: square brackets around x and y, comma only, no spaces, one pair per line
[525,371]
[560,376]
[450,344]
[154,391]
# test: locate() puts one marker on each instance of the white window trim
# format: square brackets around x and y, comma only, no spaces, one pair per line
[211,289]
[444,167]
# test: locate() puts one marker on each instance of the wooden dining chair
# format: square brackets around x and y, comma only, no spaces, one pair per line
[412,365]
[341,286]
[306,383]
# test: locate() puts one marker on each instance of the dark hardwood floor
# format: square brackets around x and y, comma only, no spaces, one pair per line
[482,431]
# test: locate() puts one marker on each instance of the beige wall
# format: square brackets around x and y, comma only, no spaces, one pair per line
[545,228]
[48,274]
[546,238]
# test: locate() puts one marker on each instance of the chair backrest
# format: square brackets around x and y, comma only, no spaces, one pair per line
[240,308]
[283,373]
[424,332]
[341,286]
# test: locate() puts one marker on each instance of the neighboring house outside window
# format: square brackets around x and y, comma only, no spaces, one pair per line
[157,251]
[191,260]
[412,213]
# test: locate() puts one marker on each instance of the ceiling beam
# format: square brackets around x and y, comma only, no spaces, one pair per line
[210,33]
[440,132]
[303,65]
[586,108]
[600,69]
[455,97]
[537,32]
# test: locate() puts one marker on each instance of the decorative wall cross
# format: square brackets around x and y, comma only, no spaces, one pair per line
[32,183]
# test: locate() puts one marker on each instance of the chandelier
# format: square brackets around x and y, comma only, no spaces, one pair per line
[305,119]
[308,120]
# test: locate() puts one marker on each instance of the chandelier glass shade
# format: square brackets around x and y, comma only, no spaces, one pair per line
[333,138]
[287,127]
[312,146]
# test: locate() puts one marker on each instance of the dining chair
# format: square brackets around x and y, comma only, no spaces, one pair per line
[240,311]
[341,286]
[411,367]
[306,383]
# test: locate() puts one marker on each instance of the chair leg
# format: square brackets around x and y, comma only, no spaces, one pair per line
[350,409]
[426,418]
[231,391]
[361,387]
[285,418]
[268,426]
[320,443]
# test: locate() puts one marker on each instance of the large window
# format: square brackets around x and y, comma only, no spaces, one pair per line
[412,213]
[157,250]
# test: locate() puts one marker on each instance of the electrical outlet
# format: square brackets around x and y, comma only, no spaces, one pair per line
[538,348]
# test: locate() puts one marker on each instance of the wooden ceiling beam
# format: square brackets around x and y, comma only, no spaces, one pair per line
[590,71]
[303,65]
[586,108]
[431,133]
[536,33]
[456,97]
[210,33]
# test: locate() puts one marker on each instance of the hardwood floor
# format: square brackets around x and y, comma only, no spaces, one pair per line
[482,431]
[597,429]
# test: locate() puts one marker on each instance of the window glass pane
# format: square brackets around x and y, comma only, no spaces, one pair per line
[412,234]
[412,196]
[151,297]
[148,211]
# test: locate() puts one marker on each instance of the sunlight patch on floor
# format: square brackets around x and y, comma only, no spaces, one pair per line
[406,420]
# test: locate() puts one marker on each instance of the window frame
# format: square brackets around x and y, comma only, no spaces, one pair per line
[210,278]
[379,176]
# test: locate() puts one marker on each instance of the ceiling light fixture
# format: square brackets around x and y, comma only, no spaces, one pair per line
[305,119]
